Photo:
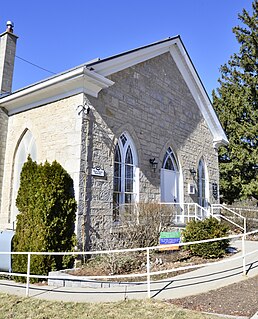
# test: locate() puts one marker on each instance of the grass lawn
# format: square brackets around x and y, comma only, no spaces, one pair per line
[13,307]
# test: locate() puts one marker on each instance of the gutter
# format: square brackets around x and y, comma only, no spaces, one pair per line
[80,80]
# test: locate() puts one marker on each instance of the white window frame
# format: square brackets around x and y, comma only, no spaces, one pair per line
[170,155]
[123,151]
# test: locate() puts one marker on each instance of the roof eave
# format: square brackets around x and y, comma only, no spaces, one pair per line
[72,82]
[127,59]
[196,87]
[220,142]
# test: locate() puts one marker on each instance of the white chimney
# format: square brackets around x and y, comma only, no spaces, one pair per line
[7,55]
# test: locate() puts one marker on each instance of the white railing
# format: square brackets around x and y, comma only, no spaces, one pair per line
[148,272]
[231,217]
[183,212]
[186,211]
[195,211]
[167,212]
[199,212]
[246,209]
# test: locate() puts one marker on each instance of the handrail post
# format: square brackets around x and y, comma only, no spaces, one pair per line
[244,225]
[243,255]
[28,276]
[148,272]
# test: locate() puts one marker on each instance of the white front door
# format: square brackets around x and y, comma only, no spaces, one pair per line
[169,186]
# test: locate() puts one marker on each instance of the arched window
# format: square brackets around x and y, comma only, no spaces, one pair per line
[125,174]
[170,178]
[202,180]
[25,147]
[169,161]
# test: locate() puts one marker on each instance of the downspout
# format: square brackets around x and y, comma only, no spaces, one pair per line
[87,177]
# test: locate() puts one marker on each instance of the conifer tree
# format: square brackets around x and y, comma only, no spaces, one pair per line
[236,103]
[46,217]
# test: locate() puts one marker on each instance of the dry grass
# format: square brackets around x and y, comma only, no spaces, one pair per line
[13,307]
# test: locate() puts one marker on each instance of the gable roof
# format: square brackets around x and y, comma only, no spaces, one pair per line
[90,78]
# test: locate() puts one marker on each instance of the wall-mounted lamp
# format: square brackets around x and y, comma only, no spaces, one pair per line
[193,171]
[153,163]
[83,109]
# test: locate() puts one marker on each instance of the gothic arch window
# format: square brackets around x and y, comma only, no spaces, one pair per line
[202,182]
[169,161]
[125,174]
[26,146]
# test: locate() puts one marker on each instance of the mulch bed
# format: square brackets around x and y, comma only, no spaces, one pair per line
[239,299]
[137,264]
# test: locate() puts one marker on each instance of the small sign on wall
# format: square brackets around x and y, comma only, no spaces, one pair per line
[97,171]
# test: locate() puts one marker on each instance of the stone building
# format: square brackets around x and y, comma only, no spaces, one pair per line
[131,128]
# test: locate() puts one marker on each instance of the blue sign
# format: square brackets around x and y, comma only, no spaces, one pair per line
[169,241]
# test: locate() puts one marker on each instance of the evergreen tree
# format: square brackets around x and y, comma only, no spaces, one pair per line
[46,217]
[236,102]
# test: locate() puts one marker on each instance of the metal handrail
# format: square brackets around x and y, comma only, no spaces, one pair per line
[219,206]
[197,212]
[148,272]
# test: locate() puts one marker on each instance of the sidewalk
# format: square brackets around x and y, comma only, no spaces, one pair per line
[194,282]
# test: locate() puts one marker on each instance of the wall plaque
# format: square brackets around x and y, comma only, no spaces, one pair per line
[97,171]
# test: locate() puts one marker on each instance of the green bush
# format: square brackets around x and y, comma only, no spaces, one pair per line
[46,217]
[206,229]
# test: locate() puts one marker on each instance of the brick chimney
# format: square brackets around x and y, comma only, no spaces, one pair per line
[7,55]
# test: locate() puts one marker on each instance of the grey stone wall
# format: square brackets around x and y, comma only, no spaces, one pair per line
[3,134]
[152,102]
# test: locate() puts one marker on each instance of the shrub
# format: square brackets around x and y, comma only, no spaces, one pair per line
[142,227]
[206,229]
[139,226]
[46,217]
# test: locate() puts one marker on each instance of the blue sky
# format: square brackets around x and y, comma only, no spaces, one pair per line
[58,35]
